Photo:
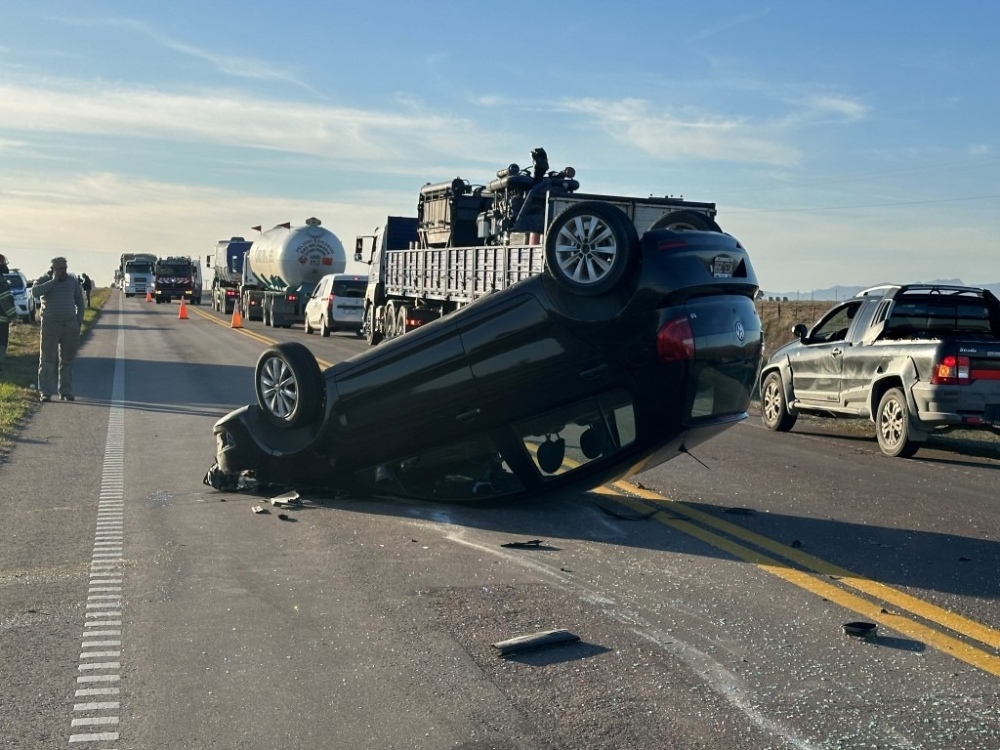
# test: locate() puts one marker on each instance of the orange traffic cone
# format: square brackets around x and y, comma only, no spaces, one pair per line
[237,321]
[149,297]
[183,314]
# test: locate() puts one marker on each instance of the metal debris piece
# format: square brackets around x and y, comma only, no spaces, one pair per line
[627,516]
[534,641]
[288,498]
[860,629]
[283,517]
[521,545]
[259,509]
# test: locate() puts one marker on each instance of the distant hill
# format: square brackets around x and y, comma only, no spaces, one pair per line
[835,293]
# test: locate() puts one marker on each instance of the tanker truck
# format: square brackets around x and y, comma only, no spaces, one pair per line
[282,268]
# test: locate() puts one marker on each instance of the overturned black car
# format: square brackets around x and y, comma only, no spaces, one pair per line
[625,351]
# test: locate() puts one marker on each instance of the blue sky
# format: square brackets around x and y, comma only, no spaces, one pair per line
[844,143]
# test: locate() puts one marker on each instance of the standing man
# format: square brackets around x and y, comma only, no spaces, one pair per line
[7,310]
[87,285]
[61,315]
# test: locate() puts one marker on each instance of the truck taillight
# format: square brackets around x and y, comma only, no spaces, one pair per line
[951,371]
[675,340]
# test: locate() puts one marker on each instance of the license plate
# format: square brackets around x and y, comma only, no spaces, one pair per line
[722,267]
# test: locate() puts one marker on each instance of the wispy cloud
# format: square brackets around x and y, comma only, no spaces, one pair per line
[232,119]
[727,24]
[674,136]
[232,65]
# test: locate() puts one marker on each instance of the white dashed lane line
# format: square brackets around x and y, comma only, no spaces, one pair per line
[96,717]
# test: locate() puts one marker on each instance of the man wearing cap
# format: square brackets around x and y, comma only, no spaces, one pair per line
[62,315]
[7,310]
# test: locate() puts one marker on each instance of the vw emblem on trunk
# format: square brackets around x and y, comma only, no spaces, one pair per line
[740,333]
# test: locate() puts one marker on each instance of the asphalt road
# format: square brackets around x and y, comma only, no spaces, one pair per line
[141,609]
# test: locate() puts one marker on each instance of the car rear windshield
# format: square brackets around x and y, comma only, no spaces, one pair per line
[944,314]
[349,288]
[14,280]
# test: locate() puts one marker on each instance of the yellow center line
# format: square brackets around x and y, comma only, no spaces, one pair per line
[247,332]
[684,518]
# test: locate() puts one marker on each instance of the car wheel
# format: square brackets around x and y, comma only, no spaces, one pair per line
[372,336]
[289,385]
[307,326]
[892,425]
[686,220]
[589,247]
[324,329]
[31,316]
[773,408]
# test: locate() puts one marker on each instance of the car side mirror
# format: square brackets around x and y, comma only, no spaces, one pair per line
[799,331]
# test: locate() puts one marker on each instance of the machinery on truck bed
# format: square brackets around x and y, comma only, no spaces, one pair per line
[227,265]
[468,241]
[282,268]
[176,278]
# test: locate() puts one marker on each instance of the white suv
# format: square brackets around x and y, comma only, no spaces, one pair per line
[24,303]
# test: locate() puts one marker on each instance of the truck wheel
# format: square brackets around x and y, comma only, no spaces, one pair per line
[289,385]
[372,336]
[773,408]
[389,321]
[401,317]
[590,246]
[892,425]
[686,220]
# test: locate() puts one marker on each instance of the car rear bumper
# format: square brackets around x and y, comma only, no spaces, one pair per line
[973,405]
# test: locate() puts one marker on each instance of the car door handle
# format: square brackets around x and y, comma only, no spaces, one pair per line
[468,416]
[594,372]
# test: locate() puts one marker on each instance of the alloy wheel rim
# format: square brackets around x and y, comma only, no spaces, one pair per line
[586,249]
[279,391]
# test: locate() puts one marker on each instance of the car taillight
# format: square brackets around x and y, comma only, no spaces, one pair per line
[230,292]
[951,371]
[675,341]
[292,297]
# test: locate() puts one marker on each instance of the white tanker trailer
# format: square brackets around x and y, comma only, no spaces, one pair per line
[282,268]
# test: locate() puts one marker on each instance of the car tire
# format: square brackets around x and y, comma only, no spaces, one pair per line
[289,385]
[306,325]
[892,425]
[324,328]
[589,247]
[773,406]
[372,336]
[681,220]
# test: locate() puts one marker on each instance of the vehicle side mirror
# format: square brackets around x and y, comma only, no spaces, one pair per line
[357,256]
[799,331]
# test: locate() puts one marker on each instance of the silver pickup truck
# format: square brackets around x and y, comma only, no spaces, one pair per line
[914,359]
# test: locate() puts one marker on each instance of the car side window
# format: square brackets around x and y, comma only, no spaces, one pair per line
[835,325]
[566,439]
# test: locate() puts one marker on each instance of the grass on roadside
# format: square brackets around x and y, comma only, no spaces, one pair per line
[19,375]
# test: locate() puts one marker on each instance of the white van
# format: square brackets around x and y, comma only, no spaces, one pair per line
[337,304]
